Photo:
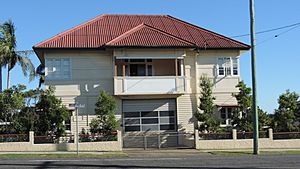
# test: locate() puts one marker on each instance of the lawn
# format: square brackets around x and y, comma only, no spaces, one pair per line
[281,152]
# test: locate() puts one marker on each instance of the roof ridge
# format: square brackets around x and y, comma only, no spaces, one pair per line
[144,25]
[134,15]
[208,31]
[169,34]
[72,29]
[126,34]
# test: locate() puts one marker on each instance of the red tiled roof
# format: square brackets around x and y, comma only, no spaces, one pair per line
[145,35]
[139,31]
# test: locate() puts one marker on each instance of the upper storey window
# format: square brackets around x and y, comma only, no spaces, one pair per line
[58,68]
[228,66]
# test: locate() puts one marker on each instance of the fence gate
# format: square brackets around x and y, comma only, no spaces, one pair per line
[158,140]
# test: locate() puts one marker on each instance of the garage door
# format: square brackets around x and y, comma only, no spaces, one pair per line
[143,117]
[149,115]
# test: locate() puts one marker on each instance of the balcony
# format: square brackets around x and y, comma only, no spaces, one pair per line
[149,85]
[149,76]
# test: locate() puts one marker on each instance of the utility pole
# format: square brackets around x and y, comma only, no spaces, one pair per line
[253,68]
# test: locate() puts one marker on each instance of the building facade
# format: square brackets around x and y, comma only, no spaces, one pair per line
[151,64]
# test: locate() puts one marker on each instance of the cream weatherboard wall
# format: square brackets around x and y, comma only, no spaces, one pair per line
[197,64]
[224,86]
[92,70]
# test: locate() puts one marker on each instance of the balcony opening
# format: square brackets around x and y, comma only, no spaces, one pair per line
[148,67]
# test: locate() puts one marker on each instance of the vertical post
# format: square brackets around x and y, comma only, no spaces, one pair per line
[77,134]
[253,68]
[181,68]
[196,132]
[176,68]
[145,142]
[270,134]
[158,140]
[234,134]
[31,137]
[123,70]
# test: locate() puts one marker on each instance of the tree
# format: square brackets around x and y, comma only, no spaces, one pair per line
[242,118]
[51,113]
[8,54]
[240,121]
[285,116]
[209,122]
[11,102]
[27,119]
[105,110]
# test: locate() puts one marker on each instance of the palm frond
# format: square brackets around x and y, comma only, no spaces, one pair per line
[27,67]
[9,56]
[7,42]
[25,52]
[8,33]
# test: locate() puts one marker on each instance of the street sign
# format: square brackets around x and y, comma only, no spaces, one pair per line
[77,105]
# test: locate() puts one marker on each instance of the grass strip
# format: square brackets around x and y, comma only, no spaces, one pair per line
[285,152]
[52,156]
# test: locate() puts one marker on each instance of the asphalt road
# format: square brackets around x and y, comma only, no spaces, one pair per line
[148,160]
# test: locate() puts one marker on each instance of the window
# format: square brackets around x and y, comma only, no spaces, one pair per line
[226,114]
[149,121]
[134,67]
[228,66]
[58,68]
[68,121]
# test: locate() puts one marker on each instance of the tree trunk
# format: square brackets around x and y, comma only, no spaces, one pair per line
[8,78]
[0,79]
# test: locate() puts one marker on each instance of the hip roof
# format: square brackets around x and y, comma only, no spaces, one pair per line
[139,31]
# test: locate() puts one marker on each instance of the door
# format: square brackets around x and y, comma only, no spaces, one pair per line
[147,122]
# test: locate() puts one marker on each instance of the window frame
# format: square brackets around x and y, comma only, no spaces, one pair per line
[225,67]
[59,77]
[228,118]
[128,62]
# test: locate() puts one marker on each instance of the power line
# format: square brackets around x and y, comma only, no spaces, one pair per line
[277,35]
[269,30]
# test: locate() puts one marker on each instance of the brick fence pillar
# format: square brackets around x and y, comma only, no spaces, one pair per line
[270,134]
[31,137]
[234,134]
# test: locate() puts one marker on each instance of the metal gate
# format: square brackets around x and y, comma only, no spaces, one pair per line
[158,140]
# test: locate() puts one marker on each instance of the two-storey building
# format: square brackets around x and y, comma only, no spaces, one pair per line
[151,64]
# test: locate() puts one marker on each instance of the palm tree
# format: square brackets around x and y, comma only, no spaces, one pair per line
[8,54]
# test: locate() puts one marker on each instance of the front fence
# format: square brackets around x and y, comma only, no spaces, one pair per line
[249,135]
[244,140]
[286,135]
[158,140]
[14,137]
[53,139]
[25,142]
[97,137]
[215,136]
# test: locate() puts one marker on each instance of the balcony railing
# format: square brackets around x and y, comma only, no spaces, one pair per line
[149,85]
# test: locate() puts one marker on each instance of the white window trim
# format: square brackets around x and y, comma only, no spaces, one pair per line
[231,67]
[59,78]
[227,119]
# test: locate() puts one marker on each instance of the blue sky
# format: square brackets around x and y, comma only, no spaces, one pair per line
[278,59]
